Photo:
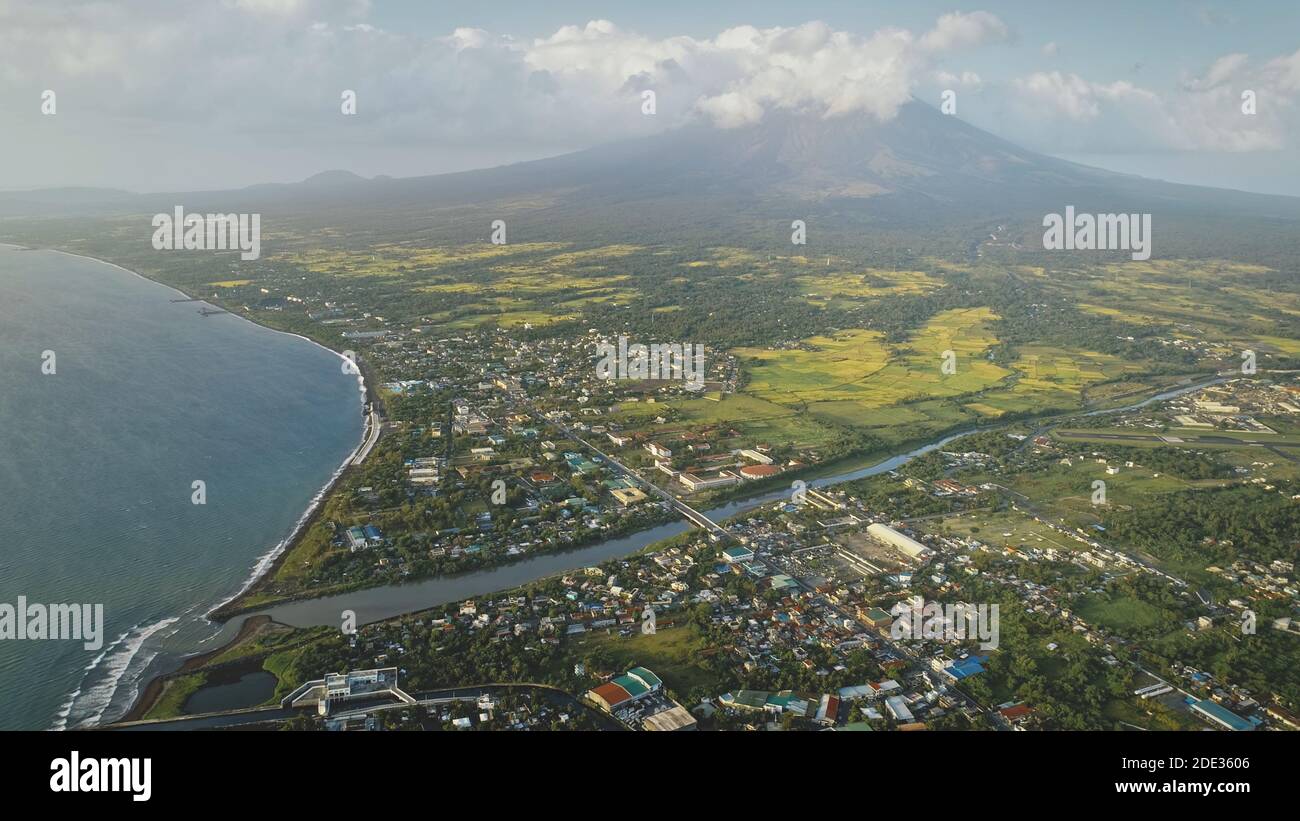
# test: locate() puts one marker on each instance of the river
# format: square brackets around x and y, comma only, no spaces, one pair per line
[378,603]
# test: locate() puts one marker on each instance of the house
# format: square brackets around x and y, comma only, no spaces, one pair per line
[658,451]
[897,708]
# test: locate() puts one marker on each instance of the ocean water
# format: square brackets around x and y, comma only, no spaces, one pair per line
[98,461]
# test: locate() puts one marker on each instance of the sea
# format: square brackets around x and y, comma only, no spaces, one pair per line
[99,461]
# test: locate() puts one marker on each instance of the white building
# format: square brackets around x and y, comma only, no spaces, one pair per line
[887,535]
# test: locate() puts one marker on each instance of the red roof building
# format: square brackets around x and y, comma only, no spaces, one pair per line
[609,695]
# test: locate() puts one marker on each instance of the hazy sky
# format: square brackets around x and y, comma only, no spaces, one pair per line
[164,95]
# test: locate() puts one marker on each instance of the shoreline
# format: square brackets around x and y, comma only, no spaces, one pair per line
[268,563]
[271,562]
[148,695]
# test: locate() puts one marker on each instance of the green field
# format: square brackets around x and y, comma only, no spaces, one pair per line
[1008,529]
[858,366]
[1123,614]
[673,653]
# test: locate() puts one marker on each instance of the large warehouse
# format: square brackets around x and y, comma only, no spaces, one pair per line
[887,535]
[631,686]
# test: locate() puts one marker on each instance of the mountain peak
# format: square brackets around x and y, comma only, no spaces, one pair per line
[334,177]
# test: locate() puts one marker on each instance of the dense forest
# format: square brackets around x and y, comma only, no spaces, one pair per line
[1221,524]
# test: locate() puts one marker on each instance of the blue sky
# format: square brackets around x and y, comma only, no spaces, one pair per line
[253,85]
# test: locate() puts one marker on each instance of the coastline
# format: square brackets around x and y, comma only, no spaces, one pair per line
[149,694]
[270,563]
[267,564]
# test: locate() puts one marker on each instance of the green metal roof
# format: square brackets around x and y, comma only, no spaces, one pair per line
[751,698]
[633,686]
[645,675]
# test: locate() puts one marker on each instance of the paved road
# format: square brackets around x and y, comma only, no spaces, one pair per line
[694,516]
[1186,439]
[374,426]
[274,715]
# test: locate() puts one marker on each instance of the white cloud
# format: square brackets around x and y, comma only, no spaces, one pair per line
[967,79]
[960,30]
[1064,112]
[1050,49]
[279,65]
[1076,98]
[268,74]
[1209,107]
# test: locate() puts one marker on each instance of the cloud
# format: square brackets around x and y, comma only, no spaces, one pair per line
[1050,49]
[1076,98]
[967,79]
[278,67]
[961,30]
[810,68]
[1064,112]
[256,85]
[1210,107]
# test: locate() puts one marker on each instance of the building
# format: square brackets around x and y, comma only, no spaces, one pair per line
[897,708]
[675,719]
[745,699]
[356,538]
[336,689]
[1220,716]
[738,554]
[634,685]
[875,618]
[958,669]
[887,535]
[628,496]
[649,679]
[658,451]
[828,710]
[609,696]
[694,483]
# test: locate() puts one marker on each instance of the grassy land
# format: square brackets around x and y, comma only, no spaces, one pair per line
[175,693]
[1123,614]
[673,653]
[1008,529]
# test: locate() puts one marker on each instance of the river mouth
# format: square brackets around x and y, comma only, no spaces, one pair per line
[389,601]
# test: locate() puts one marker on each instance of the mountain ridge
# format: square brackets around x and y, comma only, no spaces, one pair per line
[919,166]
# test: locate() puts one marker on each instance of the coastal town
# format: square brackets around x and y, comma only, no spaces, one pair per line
[785,617]
[677,373]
